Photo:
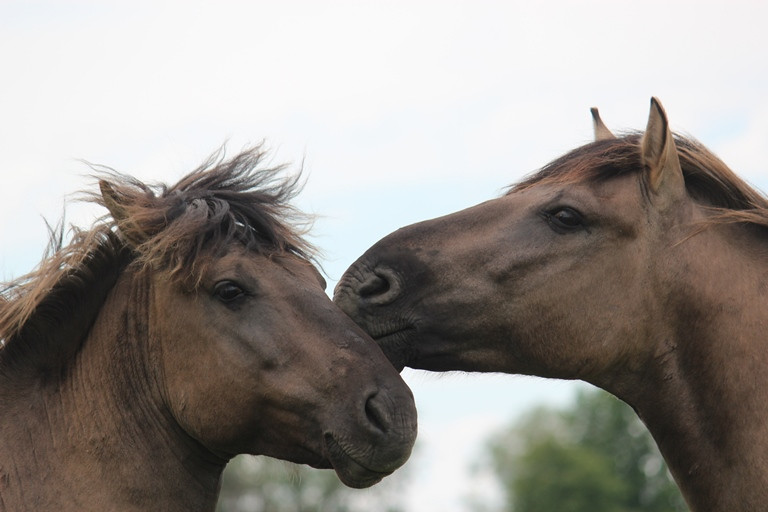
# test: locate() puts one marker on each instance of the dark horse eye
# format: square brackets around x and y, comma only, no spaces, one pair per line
[565,219]
[228,291]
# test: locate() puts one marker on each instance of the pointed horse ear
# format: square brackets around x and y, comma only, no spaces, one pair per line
[119,213]
[601,131]
[659,156]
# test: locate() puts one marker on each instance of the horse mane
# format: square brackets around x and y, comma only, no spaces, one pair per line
[170,228]
[173,229]
[708,180]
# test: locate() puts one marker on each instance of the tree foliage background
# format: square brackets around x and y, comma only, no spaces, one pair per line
[595,456]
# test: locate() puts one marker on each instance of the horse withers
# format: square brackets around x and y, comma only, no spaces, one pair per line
[636,263]
[187,327]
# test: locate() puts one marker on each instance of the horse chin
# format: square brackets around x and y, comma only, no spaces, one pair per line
[320,464]
[350,471]
[411,348]
[398,347]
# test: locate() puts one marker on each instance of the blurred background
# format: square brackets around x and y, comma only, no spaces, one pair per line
[396,111]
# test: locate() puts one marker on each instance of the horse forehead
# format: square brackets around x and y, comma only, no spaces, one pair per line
[241,261]
[624,189]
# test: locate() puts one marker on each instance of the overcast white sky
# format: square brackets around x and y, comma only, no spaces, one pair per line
[399,111]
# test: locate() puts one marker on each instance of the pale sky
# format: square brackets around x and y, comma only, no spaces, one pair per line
[398,112]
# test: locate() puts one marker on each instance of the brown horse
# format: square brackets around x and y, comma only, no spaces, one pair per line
[635,263]
[189,327]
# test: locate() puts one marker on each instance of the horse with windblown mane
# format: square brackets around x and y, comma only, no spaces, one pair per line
[187,327]
[636,263]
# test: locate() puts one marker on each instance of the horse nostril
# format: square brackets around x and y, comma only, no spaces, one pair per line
[380,287]
[376,413]
[374,285]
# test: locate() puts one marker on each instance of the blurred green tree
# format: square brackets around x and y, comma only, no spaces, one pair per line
[596,456]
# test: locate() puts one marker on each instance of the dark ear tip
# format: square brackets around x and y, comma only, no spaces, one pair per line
[601,131]
[656,104]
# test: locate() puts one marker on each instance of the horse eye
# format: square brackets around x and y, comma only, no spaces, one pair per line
[228,291]
[565,219]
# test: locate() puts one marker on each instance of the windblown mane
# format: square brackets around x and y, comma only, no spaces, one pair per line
[707,179]
[172,229]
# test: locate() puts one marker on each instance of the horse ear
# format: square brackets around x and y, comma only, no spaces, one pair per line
[601,131]
[659,155]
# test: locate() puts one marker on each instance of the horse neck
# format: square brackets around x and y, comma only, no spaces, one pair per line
[97,436]
[703,392]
